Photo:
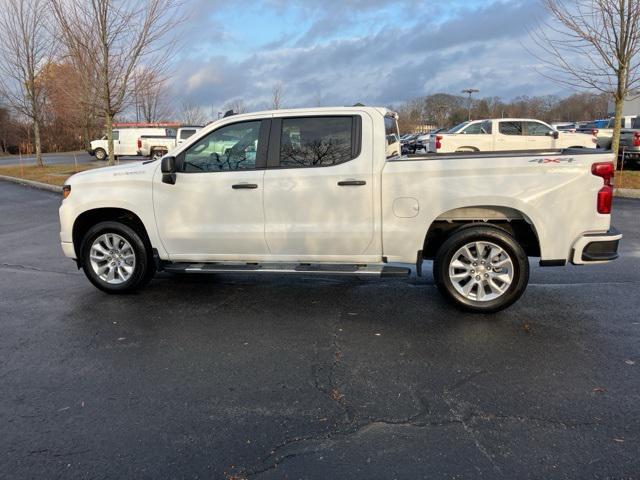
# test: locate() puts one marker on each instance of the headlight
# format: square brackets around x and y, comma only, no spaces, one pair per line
[66,191]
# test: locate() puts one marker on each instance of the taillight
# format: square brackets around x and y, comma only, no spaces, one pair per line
[438,141]
[594,132]
[139,143]
[636,139]
[605,171]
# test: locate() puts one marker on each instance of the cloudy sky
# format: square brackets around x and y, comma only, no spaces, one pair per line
[339,52]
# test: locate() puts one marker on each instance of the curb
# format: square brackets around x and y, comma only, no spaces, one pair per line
[627,192]
[32,183]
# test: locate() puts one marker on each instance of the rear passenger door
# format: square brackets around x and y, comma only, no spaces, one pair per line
[539,136]
[318,188]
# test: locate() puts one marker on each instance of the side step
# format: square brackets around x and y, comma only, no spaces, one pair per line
[295,268]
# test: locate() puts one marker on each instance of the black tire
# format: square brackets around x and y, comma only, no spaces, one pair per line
[144,268]
[100,154]
[469,234]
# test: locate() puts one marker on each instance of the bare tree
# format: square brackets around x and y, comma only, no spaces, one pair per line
[151,96]
[117,38]
[236,105]
[24,48]
[593,44]
[276,99]
[191,114]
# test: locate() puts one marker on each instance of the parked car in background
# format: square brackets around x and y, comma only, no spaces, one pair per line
[565,127]
[322,191]
[506,134]
[630,146]
[155,146]
[407,144]
[125,141]
[604,133]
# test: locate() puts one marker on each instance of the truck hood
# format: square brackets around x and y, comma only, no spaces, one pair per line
[129,170]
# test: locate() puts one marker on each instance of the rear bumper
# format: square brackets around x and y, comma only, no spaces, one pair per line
[596,248]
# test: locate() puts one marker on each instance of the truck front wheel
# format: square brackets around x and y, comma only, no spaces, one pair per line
[100,154]
[481,269]
[115,258]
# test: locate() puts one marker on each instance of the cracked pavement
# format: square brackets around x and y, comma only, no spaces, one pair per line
[314,378]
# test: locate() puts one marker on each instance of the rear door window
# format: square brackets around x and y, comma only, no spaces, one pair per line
[537,129]
[316,141]
[510,128]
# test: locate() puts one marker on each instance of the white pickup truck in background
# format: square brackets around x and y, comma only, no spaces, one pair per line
[156,146]
[507,134]
[324,191]
[125,141]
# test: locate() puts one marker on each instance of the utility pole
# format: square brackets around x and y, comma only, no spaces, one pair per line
[470,91]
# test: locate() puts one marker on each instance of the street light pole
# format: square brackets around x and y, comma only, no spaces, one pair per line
[470,91]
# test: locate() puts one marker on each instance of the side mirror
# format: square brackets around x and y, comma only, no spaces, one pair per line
[556,134]
[168,169]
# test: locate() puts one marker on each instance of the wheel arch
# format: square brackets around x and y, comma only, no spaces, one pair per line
[509,219]
[89,218]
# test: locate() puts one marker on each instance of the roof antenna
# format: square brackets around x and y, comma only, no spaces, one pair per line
[228,113]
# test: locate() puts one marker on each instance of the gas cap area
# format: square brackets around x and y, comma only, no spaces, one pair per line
[406,207]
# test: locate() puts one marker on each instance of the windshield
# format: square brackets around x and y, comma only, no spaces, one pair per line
[457,128]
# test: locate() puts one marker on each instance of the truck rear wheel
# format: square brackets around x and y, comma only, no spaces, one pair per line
[100,154]
[481,269]
[115,258]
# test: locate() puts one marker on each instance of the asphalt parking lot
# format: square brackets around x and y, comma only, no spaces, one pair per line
[320,378]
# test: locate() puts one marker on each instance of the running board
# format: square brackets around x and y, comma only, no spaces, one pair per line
[295,268]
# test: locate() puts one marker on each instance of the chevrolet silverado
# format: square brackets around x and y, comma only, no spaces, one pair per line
[326,191]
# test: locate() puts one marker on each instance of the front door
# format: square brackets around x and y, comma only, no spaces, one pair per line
[319,188]
[214,210]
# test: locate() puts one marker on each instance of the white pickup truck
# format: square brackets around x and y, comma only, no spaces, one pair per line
[325,191]
[156,146]
[507,134]
[125,141]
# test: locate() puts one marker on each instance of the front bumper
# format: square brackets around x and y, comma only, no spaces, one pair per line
[91,152]
[68,249]
[596,247]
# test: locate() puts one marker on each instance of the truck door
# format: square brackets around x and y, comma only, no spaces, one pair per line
[539,136]
[116,143]
[126,142]
[318,187]
[214,211]
[510,136]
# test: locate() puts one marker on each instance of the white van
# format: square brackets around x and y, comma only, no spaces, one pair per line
[125,141]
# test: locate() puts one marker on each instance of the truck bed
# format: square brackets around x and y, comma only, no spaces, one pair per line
[499,154]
